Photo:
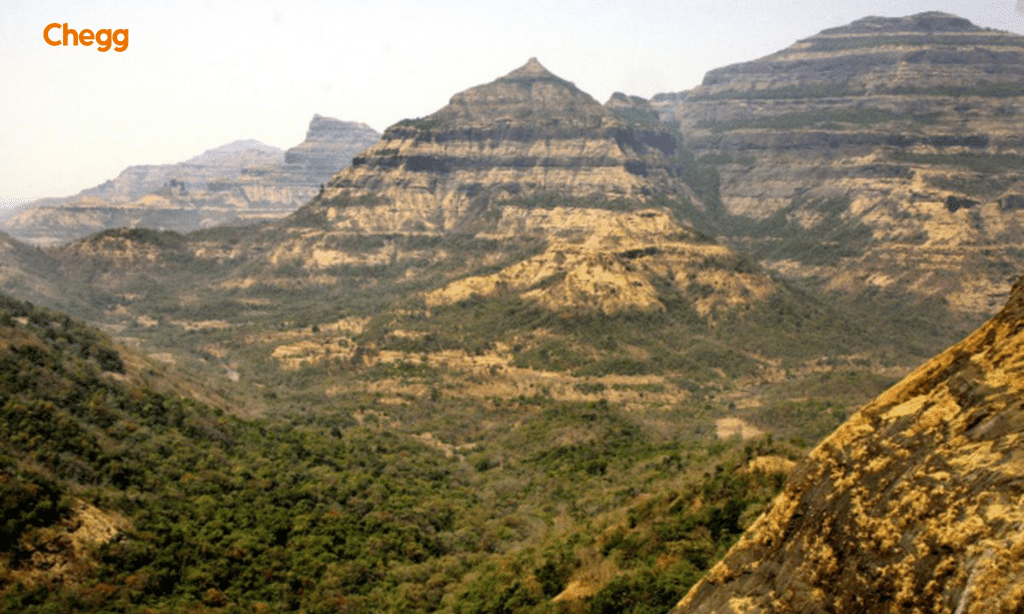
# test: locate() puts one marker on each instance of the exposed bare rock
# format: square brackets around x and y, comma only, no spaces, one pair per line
[329,147]
[633,108]
[239,183]
[614,262]
[65,551]
[912,505]
[530,155]
[883,155]
[525,134]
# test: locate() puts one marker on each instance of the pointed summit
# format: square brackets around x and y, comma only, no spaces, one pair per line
[533,70]
[521,135]
[530,94]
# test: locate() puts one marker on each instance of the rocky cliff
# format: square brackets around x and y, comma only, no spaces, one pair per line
[883,155]
[912,505]
[238,183]
[530,155]
[527,133]
[329,146]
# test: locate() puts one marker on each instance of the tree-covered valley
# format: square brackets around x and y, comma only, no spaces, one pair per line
[529,353]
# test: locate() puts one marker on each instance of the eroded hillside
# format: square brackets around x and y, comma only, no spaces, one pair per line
[882,156]
[912,504]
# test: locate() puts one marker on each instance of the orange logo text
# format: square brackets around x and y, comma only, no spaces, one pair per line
[103,38]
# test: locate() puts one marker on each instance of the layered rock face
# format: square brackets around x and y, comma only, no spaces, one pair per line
[525,134]
[913,505]
[881,155]
[530,155]
[329,146]
[239,183]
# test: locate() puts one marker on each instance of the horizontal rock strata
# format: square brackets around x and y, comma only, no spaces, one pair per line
[889,135]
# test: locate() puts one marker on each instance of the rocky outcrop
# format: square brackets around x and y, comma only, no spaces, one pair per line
[530,155]
[840,156]
[621,262]
[913,505]
[526,134]
[239,183]
[634,109]
[329,146]
[65,552]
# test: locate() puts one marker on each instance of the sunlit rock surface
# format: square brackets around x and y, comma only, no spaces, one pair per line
[913,505]
[885,155]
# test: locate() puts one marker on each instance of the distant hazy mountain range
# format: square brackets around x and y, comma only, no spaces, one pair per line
[239,183]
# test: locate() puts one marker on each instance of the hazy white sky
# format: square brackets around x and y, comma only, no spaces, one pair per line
[202,73]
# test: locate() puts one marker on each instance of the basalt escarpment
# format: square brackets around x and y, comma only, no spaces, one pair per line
[526,134]
[239,183]
[530,155]
[329,146]
[913,505]
[883,155]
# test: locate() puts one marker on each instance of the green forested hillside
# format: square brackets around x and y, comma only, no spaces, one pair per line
[340,509]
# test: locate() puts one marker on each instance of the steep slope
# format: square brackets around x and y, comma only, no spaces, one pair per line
[530,156]
[527,133]
[329,146]
[238,183]
[912,505]
[880,156]
[100,476]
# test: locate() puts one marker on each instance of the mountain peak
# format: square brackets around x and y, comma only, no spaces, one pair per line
[529,95]
[322,127]
[532,70]
[526,133]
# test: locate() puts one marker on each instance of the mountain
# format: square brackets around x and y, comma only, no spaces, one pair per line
[879,157]
[494,365]
[239,183]
[329,146]
[530,155]
[913,504]
[525,134]
[524,228]
[503,241]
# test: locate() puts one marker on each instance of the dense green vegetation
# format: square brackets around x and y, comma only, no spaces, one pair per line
[341,508]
